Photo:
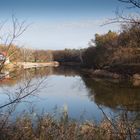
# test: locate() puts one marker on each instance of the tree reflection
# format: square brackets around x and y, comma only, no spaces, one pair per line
[17,76]
[115,95]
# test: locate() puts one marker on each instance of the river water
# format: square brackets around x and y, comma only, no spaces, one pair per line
[66,88]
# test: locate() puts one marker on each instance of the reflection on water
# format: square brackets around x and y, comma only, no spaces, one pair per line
[68,87]
[114,95]
[15,77]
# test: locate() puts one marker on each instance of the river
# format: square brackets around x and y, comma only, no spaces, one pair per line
[67,88]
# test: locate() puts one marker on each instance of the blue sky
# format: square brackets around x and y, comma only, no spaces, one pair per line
[59,24]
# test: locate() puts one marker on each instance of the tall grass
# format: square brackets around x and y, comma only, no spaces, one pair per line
[48,128]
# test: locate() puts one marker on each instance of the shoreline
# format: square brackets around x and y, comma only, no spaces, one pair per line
[28,65]
[107,73]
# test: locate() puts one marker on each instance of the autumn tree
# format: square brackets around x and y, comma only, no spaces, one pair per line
[130,36]
[106,40]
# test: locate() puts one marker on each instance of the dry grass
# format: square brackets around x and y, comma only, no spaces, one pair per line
[47,128]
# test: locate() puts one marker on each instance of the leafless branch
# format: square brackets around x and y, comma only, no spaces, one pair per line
[18,28]
[135,3]
[122,18]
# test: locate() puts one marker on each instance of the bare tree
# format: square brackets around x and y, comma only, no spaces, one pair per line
[123,18]
[133,3]
[7,40]
[28,87]
[27,54]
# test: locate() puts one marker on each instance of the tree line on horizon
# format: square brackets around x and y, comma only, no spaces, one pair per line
[105,50]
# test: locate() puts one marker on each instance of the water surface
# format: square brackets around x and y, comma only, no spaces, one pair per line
[68,88]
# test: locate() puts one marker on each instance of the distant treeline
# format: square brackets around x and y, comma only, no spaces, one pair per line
[104,50]
[22,54]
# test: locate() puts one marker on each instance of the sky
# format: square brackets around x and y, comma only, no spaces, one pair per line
[59,24]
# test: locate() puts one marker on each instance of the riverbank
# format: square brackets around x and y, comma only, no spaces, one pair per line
[115,72]
[27,65]
[104,74]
